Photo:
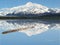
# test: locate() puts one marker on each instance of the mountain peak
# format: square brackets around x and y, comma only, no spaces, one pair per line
[29,3]
[33,4]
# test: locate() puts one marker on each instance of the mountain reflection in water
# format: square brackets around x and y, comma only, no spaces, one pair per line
[24,25]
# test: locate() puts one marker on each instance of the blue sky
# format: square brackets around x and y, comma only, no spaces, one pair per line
[13,3]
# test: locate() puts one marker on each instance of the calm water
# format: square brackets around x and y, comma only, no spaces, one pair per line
[44,32]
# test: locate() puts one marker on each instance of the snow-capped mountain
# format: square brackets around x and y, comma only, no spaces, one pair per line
[28,8]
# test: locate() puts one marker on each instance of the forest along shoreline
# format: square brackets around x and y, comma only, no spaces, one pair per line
[45,17]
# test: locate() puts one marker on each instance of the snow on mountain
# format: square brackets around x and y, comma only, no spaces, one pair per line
[28,8]
[56,10]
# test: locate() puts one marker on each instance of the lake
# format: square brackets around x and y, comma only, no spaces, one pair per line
[30,32]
